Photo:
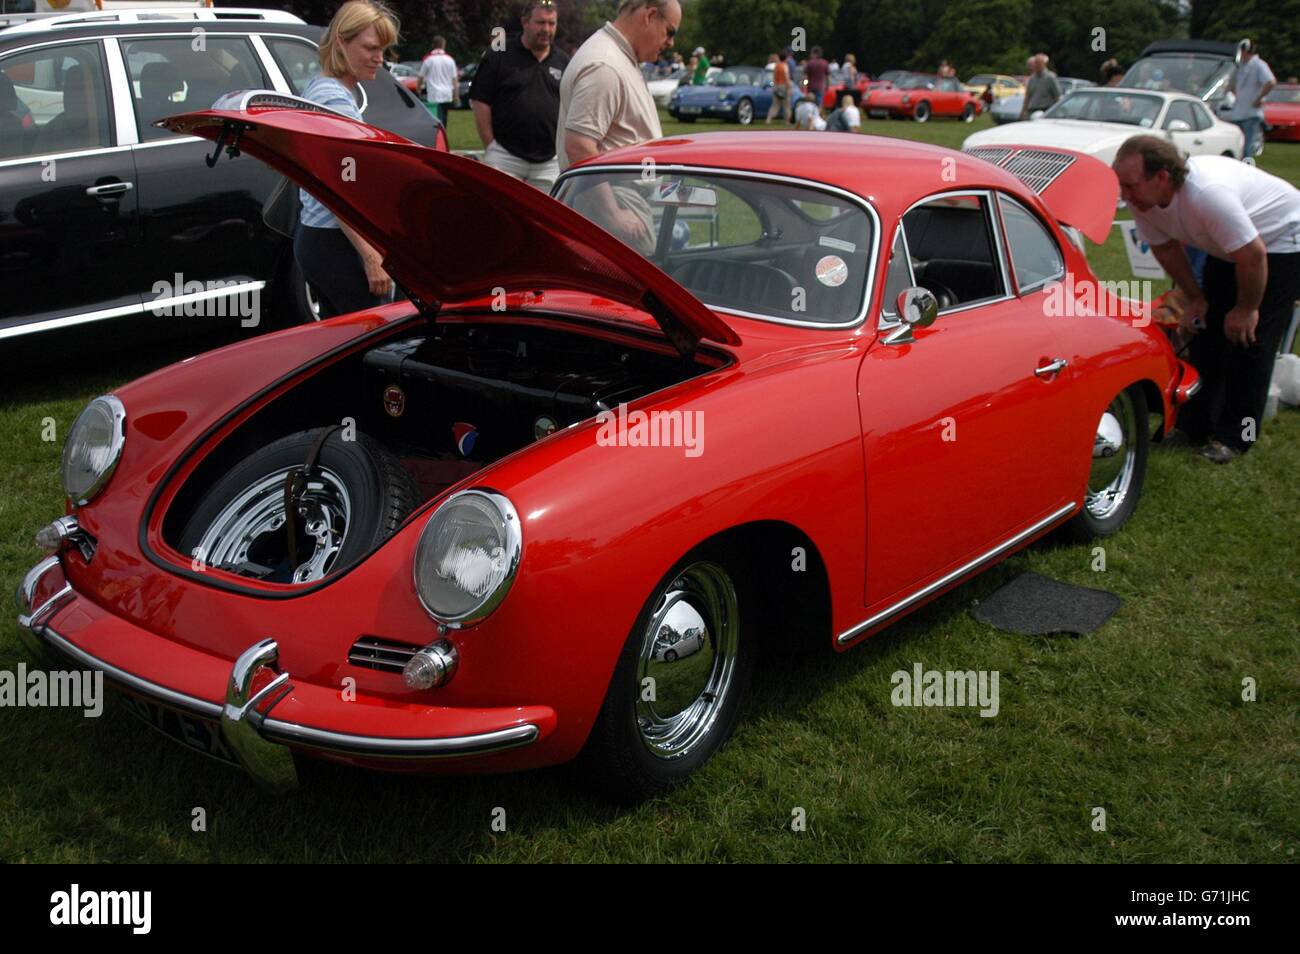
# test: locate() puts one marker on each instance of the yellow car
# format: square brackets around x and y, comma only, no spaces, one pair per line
[999,85]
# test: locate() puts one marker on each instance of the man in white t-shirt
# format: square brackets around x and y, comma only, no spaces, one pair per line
[438,75]
[1249,224]
[1250,84]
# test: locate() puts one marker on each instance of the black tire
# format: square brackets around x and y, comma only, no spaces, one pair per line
[968,113]
[745,111]
[1100,516]
[922,112]
[617,759]
[380,496]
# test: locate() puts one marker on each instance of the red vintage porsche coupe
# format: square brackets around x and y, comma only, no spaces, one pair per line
[545,509]
[922,96]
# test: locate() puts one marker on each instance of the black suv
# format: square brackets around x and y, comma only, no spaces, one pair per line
[101,213]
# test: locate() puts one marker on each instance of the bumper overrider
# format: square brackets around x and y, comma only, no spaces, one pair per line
[255,687]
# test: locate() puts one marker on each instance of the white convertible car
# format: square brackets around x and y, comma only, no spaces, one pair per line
[1097,119]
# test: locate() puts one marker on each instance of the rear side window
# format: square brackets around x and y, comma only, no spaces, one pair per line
[1034,253]
[170,76]
[953,251]
[52,100]
[298,61]
[1180,110]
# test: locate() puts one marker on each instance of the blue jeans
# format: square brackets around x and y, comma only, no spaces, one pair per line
[1253,127]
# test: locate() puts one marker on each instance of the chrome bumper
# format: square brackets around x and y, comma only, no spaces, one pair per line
[261,743]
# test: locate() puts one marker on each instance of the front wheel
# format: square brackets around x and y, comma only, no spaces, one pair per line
[667,711]
[745,112]
[922,112]
[968,113]
[1119,466]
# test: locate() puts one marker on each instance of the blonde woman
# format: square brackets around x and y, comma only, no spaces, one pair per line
[346,272]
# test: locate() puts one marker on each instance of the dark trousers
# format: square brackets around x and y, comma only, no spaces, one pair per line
[1235,379]
[331,263]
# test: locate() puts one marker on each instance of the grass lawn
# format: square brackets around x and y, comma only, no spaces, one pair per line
[1144,719]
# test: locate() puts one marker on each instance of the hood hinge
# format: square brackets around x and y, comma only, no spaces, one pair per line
[682,338]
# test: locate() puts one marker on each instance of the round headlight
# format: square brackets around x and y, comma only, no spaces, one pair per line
[467,556]
[93,448]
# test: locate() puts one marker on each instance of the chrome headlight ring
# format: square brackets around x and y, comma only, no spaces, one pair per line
[93,448]
[467,557]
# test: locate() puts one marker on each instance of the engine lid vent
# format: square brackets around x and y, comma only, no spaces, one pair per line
[375,652]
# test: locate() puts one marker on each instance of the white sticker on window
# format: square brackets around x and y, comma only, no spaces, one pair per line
[831,271]
[840,244]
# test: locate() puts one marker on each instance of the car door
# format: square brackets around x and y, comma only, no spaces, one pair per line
[69,223]
[960,437]
[1180,127]
[202,227]
[949,98]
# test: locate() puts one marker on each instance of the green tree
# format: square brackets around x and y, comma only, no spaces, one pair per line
[750,30]
[1274,25]
[978,36]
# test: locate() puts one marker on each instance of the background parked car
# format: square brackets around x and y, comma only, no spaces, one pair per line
[920,96]
[1201,68]
[1282,113]
[735,94]
[1007,109]
[90,189]
[662,87]
[463,84]
[1096,121]
[994,87]
[408,74]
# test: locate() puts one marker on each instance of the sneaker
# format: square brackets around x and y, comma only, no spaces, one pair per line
[1218,452]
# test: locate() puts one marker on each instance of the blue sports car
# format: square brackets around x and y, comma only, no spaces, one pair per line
[737,94]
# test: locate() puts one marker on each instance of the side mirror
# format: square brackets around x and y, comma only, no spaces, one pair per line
[917,308]
[1179,125]
[1037,114]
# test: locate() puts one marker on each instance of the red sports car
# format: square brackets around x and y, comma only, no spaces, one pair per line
[919,96]
[546,508]
[1282,114]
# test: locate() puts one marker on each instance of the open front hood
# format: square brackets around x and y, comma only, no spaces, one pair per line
[449,228]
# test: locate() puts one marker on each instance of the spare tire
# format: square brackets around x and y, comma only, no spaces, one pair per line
[356,497]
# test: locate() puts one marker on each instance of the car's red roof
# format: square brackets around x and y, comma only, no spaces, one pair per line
[888,171]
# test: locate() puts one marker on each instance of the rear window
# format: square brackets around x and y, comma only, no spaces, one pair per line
[759,247]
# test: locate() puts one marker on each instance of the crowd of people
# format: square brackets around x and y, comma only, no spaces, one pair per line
[1227,233]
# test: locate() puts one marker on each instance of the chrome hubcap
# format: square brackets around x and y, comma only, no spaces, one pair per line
[250,532]
[1114,451]
[688,660]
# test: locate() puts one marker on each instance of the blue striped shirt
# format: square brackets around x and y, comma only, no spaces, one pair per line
[330,92]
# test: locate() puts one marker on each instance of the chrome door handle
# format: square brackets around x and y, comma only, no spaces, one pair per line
[1051,368]
[1198,142]
[109,190]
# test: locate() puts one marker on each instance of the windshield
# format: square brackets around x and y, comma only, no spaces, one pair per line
[983,79]
[764,248]
[1284,94]
[729,78]
[915,81]
[1117,106]
[1193,73]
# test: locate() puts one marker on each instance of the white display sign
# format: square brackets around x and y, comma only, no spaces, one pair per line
[1140,259]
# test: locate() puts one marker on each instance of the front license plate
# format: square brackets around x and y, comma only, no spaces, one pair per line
[190,731]
[877,113]
[688,110]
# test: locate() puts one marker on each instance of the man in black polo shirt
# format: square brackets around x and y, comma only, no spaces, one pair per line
[516,99]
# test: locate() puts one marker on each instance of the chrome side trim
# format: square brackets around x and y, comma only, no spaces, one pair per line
[119,85]
[120,310]
[868,289]
[956,574]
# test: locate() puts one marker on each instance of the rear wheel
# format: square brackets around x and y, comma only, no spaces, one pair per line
[922,112]
[968,113]
[745,111]
[678,687]
[356,497]
[1119,465]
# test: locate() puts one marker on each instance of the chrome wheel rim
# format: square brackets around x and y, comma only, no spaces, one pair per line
[922,113]
[1114,453]
[697,623]
[251,528]
[745,112]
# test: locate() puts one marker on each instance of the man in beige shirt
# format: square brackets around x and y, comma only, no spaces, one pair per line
[605,103]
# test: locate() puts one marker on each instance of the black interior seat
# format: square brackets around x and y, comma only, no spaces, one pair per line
[158,83]
[969,281]
[740,284]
